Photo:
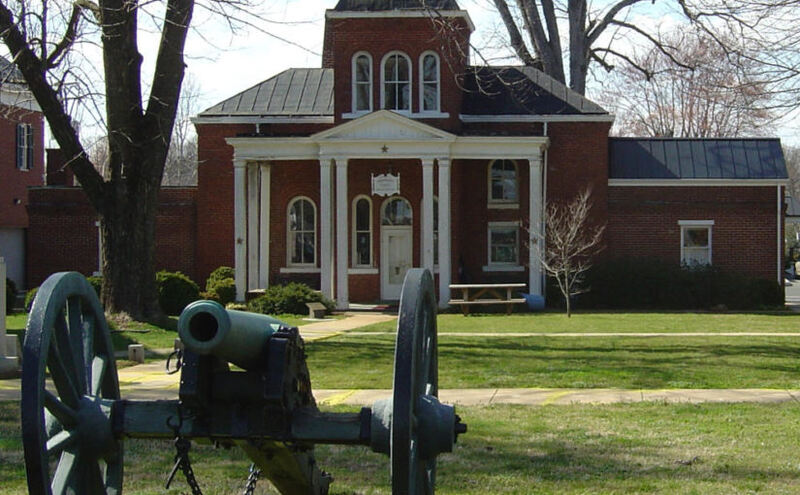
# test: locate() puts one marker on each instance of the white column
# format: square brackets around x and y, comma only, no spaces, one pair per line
[263,261]
[326,228]
[536,227]
[240,227]
[253,185]
[444,232]
[427,213]
[342,252]
[3,308]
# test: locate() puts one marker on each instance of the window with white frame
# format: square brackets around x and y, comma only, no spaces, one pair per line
[24,146]
[362,232]
[503,182]
[362,82]
[302,235]
[396,82]
[429,82]
[503,244]
[696,242]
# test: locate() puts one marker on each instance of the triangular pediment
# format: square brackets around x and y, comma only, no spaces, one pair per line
[383,125]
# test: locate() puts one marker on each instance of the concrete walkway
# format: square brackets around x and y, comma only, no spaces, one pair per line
[330,327]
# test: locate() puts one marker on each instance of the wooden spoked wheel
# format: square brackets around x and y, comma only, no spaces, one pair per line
[69,384]
[415,374]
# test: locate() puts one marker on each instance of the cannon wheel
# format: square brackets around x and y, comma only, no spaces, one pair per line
[66,420]
[415,374]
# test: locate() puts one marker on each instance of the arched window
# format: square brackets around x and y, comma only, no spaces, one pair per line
[362,232]
[301,241]
[429,82]
[396,211]
[503,178]
[396,82]
[362,82]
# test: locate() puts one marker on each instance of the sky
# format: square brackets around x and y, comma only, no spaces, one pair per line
[222,62]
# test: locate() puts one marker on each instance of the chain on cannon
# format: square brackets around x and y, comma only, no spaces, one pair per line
[244,382]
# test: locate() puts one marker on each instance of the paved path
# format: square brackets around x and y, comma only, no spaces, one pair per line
[600,334]
[330,328]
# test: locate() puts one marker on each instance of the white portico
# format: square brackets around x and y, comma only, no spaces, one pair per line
[381,135]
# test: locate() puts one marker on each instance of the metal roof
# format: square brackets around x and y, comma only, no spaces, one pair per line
[378,5]
[684,158]
[519,90]
[9,73]
[293,92]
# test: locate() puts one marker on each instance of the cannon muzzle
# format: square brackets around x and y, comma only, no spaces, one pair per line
[239,337]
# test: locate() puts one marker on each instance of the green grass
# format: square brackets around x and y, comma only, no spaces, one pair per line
[709,449]
[611,322]
[137,332]
[366,361]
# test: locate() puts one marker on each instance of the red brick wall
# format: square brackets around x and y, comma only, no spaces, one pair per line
[62,234]
[412,36]
[13,181]
[643,222]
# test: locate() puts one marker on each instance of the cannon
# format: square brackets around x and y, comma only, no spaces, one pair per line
[244,382]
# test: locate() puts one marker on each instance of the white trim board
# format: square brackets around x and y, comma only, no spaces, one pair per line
[467,118]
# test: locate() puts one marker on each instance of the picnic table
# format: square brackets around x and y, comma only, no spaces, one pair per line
[487,294]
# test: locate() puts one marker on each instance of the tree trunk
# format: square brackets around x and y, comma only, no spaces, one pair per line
[128,231]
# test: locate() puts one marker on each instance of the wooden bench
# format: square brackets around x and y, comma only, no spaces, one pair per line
[487,294]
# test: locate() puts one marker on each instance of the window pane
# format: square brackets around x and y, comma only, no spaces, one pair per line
[504,181]
[294,215]
[504,236]
[297,251]
[308,247]
[405,97]
[429,69]
[362,214]
[362,97]
[429,100]
[362,248]
[308,215]
[397,212]
[362,69]
[402,68]
[695,237]
[390,97]
[696,256]
[390,69]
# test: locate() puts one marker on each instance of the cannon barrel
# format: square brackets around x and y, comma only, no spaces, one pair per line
[239,337]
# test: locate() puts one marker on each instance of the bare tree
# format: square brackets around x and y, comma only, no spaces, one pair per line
[767,34]
[571,242]
[715,98]
[42,37]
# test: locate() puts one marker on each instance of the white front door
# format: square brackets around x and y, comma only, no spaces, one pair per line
[395,259]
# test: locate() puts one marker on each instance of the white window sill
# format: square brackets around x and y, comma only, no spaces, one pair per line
[503,206]
[503,268]
[430,115]
[362,271]
[300,269]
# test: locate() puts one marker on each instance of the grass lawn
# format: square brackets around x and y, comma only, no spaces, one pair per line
[613,449]
[613,322]
[624,362]
[137,332]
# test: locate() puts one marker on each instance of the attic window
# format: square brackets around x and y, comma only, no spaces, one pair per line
[362,82]
[396,87]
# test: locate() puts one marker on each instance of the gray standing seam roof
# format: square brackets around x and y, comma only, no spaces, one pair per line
[377,5]
[685,158]
[293,92]
[9,73]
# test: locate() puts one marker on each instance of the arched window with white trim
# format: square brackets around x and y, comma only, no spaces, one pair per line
[503,182]
[362,232]
[396,82]
[301,226]
[362,82]
[430,89]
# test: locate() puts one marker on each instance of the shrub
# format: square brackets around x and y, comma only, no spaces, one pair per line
[290,298]
[96,283]
[643,283]
[175,291]
[29,297]
[11,295]
[222,290]
[218,275]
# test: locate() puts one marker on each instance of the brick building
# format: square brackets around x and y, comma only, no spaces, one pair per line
[21,166]
[398,153]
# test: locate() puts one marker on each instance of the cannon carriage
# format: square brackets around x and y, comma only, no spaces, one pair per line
[75,423]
